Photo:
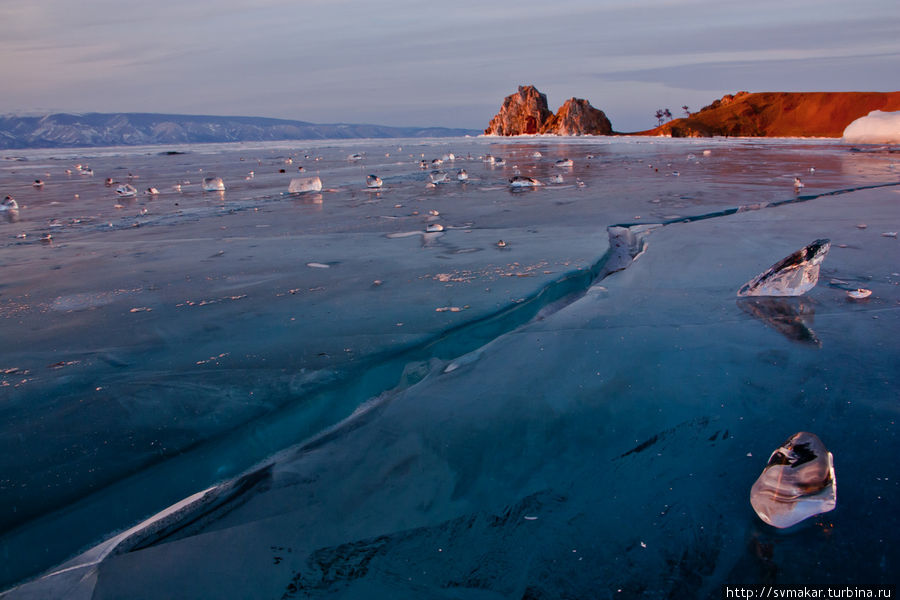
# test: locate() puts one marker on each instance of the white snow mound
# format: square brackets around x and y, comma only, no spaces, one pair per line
[877,127]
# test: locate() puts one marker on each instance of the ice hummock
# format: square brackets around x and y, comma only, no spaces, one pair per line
[793,275]
[302,185]
[878,127]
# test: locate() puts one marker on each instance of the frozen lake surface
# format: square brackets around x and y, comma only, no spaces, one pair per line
[578,411]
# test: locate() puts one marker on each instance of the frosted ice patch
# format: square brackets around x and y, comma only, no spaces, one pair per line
[794,275]
[797,483]
[302,185]
[877,127]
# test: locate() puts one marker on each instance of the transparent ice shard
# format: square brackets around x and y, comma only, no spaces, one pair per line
[797,483]
[213,184]
[521,181]
[374,181]
[794,275]
[302,185]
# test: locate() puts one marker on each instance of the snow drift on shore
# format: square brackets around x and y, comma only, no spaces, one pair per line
[877,127]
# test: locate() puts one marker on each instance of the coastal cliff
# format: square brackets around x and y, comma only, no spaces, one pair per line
[779,114]
[526,112]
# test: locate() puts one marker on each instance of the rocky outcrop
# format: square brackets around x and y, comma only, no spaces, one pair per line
[526,112]
[780,114]
[522,113]
[578,117]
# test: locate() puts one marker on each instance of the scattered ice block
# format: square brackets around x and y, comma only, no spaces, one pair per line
[521,181]
[438,177]
[213,184]
[878,127]
[126,191]
[797,483]
[301,185]
[794,275]
[374,181]
[462,175]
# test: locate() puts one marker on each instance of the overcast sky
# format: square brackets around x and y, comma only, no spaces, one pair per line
[426,62]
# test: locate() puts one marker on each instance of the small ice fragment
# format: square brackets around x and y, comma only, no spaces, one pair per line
[797,483]
[374,181]
[461,175]
[9,203]
[797,183]
[434,228]
[859,293]
[499,162]
[423,164]
[707,152]
[354,157]
[812,170]
[316,265]
[437,162]
[564,162]
[141,309]
[38,183]
[557,178]
[438,177]
[126,191]
[529,518]
[521,181]
[301,185]
[449,157]
[87,171]
[152,191]
[489,159]
[501,244]
[213,184]
[433,213]
[794,275]
[536,154]
[861,226]
[643,545]
[892,234]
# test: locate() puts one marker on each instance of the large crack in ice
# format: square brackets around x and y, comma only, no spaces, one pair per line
[335,406]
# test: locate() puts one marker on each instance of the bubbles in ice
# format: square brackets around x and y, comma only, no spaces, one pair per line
[521,181]
[461,175]
[374,181]
[302,185]
[564,162]
[438,177]
[213,184]
[797,483]
[794,275]
[126,191]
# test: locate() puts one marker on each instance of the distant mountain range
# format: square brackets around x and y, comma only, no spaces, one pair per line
[135,129]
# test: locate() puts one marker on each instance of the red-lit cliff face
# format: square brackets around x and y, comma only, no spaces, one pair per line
[578,117]
[780,114]
[522,113]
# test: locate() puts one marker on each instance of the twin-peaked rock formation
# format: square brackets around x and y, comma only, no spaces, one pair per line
[526,112]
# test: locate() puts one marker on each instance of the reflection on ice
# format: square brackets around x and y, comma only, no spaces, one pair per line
[789,316]
[794,275]
[797,483]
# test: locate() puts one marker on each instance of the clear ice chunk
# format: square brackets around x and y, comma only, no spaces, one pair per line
[372,181]
[302,185]
[797,483]
[522,181]
[213,184]
[793,275]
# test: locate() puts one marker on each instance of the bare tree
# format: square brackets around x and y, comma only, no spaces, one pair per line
[659,116]
[686,110]
[667,114]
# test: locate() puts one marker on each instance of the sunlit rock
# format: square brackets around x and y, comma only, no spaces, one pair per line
[577,117]
[797,483]
[524,112]
[794,275]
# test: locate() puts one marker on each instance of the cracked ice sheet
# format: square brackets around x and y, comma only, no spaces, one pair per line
[623,423]
[196,365]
